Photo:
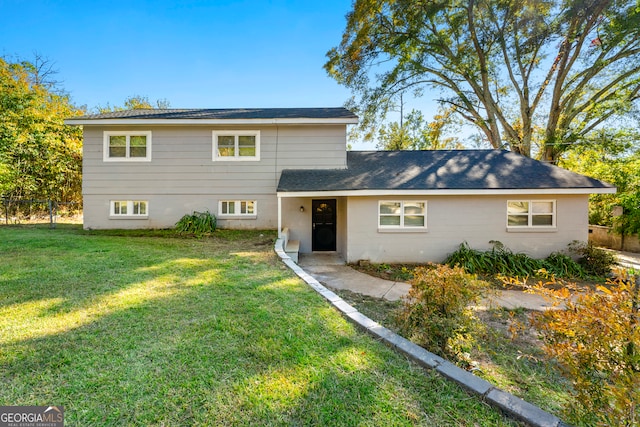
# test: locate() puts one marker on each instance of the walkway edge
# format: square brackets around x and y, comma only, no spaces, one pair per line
[508,403]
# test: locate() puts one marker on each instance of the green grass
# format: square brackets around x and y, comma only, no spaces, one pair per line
[124,329]
[517,364]
[514,364]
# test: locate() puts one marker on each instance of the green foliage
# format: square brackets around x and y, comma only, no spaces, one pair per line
[415,133]
[135,102]
[40,157]
[611,155]
[629,222]
[436,313]
[524,73]
[501,260]
[595,261]
[197,223]
[562,265]
[595,335]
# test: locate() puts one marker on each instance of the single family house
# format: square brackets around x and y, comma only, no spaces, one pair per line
[288,168]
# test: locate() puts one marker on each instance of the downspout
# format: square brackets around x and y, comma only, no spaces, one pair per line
[279,217]
[275,178]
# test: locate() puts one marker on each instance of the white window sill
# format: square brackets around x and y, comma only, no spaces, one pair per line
[237,217]
[402,230]
[236,159]
[532,230]
[127,159]
[128,216]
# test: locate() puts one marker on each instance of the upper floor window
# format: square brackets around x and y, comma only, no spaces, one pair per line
[134,146]
[531,213]
[402,214]
[236,145]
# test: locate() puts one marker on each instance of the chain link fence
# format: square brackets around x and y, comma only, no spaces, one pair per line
[31,211]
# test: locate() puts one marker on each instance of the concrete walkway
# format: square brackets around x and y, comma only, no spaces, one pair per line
[628,259]
[508,403]
[330,270]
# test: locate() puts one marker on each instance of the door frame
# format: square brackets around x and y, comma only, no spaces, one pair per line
[315,246]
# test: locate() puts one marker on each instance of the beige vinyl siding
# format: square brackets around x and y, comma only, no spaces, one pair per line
[456,219]
[182,177]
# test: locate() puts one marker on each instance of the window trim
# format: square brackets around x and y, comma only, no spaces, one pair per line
[128,134]
[238,214]
[530,214]
[236,134]
[402,227]
[129,214]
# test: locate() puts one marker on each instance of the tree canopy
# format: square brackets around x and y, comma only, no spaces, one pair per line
[134,102]
[535,76]
[414,132]
[40,157]
[612,155]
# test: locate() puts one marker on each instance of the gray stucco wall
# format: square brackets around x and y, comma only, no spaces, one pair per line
[299,223]
[454,219]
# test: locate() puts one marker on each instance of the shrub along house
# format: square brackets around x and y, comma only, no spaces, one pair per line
[289,168]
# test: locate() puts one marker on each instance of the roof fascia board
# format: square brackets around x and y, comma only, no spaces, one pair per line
[155,122]
[448,192]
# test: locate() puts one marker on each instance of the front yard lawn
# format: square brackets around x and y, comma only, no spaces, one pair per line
[137,330]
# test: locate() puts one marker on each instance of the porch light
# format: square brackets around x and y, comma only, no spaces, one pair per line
[301,208]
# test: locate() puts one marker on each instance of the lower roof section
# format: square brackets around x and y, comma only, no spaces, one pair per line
[437,172]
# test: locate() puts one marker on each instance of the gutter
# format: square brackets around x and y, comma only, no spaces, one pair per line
[173,122]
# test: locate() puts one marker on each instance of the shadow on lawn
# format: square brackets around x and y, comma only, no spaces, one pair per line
[169,334]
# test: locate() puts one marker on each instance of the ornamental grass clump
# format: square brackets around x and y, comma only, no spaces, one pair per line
[591,261]
[197,224]
[436,312]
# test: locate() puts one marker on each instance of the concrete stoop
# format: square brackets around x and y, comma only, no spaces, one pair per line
[510,404]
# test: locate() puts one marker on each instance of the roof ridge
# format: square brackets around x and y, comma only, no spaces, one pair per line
[237,113]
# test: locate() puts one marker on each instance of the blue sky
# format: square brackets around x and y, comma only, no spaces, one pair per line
[198,54]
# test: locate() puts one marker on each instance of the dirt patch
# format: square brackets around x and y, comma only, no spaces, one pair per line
[394,272]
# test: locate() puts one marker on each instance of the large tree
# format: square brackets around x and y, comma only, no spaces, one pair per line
[525,72]
[40,157]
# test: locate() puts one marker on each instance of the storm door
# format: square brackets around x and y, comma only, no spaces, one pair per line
[323,225]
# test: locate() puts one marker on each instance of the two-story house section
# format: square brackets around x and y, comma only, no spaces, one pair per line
[147,168]
[289,169]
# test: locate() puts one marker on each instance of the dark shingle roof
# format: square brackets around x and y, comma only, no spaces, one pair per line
[436,170]
[226,114]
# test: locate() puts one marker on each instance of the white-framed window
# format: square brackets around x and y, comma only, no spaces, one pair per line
[246,208]
[236,145]
[129,208]
[408,214]
[531,213]
[127,146]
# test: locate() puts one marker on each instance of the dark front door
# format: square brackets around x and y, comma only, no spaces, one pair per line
[323,225]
